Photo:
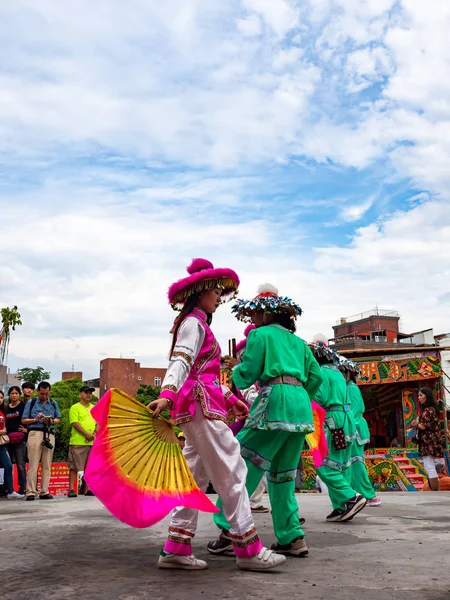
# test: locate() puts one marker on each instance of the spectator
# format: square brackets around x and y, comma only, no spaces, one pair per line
[40,415]
[428,435]
[81,439]
[181,439]
[5,460]
[17,435]
[2,402]
[27,391]
[444,480]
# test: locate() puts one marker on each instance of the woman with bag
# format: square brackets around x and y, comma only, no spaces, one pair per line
[6,461]
[17,435]
[429,435]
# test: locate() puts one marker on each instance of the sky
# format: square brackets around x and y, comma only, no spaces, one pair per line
[305,143]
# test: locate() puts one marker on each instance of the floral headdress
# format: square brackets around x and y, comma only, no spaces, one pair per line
[268,301]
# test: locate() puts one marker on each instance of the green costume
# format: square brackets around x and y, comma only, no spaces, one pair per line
[273,437]
[359,477]
[335,472]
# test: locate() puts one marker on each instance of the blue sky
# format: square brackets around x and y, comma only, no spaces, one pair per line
[302,142]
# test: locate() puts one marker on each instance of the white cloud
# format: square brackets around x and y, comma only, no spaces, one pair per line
[282,16]
[135,136]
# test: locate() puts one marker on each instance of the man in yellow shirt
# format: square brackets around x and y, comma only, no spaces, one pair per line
[81,439]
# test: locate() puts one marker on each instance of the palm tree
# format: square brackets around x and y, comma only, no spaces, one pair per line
[10,319]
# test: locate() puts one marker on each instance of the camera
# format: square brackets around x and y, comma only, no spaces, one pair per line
[46,443]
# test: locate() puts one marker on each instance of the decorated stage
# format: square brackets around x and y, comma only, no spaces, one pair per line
[390,470]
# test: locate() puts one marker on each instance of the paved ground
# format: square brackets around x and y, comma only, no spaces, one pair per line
[73,549]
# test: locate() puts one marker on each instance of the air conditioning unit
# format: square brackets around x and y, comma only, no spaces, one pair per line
[380,338]
[139,378]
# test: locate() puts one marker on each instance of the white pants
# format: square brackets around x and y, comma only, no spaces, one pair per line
[213,454]
[257,496]
[429,463]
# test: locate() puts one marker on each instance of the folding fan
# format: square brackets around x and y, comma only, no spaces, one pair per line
[317,440]
[136,467]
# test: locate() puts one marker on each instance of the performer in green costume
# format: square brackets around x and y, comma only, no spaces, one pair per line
[340,431]
[358,472]
[273,437]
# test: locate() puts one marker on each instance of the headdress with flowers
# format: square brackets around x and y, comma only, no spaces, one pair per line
[203,277]
[268,301]
[320,348]
[346,365]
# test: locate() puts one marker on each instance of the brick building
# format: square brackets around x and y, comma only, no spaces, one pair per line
[127,375]
[65,375]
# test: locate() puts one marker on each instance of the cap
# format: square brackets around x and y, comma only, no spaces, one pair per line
[86,388]
[181,435]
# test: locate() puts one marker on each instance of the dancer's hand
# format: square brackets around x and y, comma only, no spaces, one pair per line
[415,423]
[240,410]
[230,362]
[159,405]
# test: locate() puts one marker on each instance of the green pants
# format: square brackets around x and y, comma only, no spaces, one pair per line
[360,478]
[336,475]
[277,453]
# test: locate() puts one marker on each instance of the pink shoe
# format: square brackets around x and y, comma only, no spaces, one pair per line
[374,501]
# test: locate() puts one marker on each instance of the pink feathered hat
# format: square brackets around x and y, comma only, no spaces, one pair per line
[202,276]
[241,345]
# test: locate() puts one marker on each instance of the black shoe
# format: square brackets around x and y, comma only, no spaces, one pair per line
[89,493]
[297,547]
[302,521]
[336,515]
[72,494]
[221,545]
[46,497]
[28,498]
[354,506]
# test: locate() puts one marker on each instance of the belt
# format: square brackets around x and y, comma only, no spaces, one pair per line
[284,379]
[338,408]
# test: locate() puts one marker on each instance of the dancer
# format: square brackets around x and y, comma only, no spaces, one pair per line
[340,432]
[273,437]
[359,477]
[192,390]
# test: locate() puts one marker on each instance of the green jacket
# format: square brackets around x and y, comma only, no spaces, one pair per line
[356,401]
[332,396]
[272,351]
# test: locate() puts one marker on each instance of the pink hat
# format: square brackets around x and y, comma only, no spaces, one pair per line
[241,345]
[202,276]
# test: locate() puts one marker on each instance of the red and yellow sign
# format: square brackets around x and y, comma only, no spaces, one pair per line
[395,369]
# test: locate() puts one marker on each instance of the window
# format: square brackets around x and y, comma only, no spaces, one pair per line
[158,381]
[105,387]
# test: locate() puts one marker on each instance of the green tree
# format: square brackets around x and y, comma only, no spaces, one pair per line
[10,320]
[33,375]
[65,393]
[147,393]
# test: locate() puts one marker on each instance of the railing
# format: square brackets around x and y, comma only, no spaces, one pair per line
[375,312]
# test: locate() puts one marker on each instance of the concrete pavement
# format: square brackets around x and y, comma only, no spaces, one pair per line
[69,549]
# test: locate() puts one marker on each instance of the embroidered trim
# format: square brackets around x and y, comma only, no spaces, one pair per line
[336,466]
[178,539]
[184,355]
[182,531]
[283,477]
[247,543]
[171,388]
[256,459]
[228,394]
[201,364]
[210,415]
[182,420]
[234,536]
